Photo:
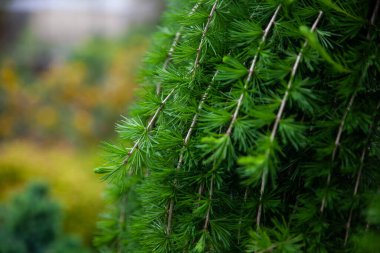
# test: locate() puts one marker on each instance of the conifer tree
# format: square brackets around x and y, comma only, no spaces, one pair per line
[256,130]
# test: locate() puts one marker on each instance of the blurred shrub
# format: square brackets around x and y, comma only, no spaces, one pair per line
[368,240]
[74,101]
[31,222]
[69,172]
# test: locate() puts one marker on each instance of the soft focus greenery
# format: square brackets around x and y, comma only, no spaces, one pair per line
[53,118]
[68,171]
[368,241]
[31,223]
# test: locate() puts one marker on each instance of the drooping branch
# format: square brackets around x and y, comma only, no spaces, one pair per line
[148,127]
[251,70]
[172,48]
[374,15]
[192,126]
[350,103]
[185,143]
[203,37]
[211,192]
[280,114]
[200,106]
[291,80]
[340,131]
[246,83]
[194,121]
[181,156]
[372,130]
[337,143]
[241,214]
[158,87]
[169,58]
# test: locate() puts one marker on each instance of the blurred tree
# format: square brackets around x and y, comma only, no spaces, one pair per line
[31,223]
[22,161]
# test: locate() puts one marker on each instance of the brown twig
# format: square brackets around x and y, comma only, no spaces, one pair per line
[205,30]
[340,132]
[200,106]
[171,50]
[372,130]
[280,114]
[150,123]
[241,214]
[251,71]
[211,192]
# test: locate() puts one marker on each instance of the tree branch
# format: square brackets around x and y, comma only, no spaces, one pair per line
[251,71]
[291,80]
[372,130]
[171,50]
[181,156]
[241,214]
[169,57]
[336,144]
[340,132]
[207,218]
[205,30]
[159,88]
[280,114]
[195,118]
[148,127]
[374,16]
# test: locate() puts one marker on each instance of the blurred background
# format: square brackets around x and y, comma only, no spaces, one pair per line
[67,73]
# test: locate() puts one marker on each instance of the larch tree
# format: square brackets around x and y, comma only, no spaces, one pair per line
[255,130]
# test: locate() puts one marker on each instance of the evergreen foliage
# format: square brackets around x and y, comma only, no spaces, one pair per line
[256,130]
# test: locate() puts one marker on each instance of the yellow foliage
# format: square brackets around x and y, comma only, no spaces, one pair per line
[65,101]
[47,116]
[69,173]
[82,122]
[8,77]
[6,127]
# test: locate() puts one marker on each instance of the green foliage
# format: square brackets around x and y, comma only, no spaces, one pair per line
[258,132]
[277,239]
[31,222]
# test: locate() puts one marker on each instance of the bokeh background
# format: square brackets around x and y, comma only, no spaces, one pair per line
[67,73]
